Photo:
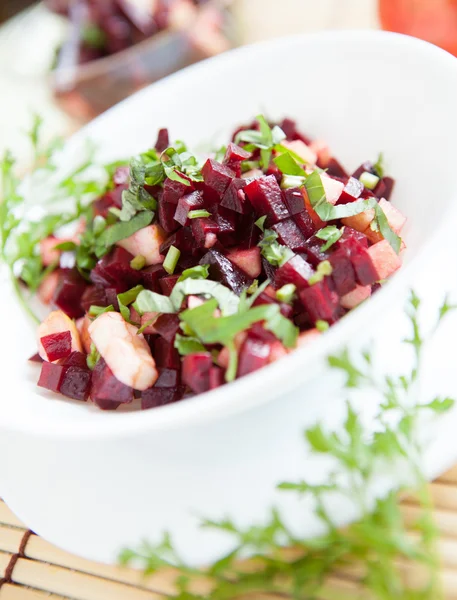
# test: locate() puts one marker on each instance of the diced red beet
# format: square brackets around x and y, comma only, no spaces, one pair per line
[235,153]
[265,196]
[217,176]
[385,188]
[305,223]
[69,292]
[263,298]
[352,238]
[193,201]
[313,251]
[94,295]
[293,199]
[182,239]
[290,129]
[258,332]
[343,274]
[36,358]
[225,219]
[121,175]
[57,345]
[114,270]
[216,377]
[114,197]
[111,298]
[150,277]
[290,235]
[296,270]
[254,355]
[107,392]
[167,284]
[334,169]
[352,191]
[367,166]
[76,359]
[167,389]
[51,376]
[357,251]
[163,140]
[167,326]
[321,302]
[223,270]
[248,232]
[275,171]
[165,354]
[166,215]
[174,190]
[76,383]
[205,232]
[234,197]
[195,371]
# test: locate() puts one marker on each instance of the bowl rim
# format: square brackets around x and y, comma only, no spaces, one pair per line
[259,388]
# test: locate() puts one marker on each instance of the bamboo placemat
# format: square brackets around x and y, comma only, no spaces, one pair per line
[33,569]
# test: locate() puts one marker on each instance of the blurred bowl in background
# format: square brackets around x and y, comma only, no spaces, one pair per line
[88,89]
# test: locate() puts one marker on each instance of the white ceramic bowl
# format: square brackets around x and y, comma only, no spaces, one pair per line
[92,482]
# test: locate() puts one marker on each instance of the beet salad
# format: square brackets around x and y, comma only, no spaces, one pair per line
[184,275]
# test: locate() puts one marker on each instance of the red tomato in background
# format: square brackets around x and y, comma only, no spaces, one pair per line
[431,20]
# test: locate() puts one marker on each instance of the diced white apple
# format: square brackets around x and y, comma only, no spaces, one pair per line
[356,297]
[82,325]
[48,287]
[384,259]
[58,322]
[49,255]
[248,261]
[360,222]
[210,240]
[146,242]
[322,151]
[307,336]
[333,188]
[306,153]
[252,174]
[125,351]
[277,351]
[395,218]
[270,291]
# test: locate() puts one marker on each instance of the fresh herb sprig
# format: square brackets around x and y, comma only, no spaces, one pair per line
[376,543]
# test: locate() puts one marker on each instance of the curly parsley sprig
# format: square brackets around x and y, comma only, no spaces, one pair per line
[376,544]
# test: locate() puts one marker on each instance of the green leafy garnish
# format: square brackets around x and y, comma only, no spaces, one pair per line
[93,357]
[260,223]
[187,345]
[275,253]
[198,272]
[331,235]
[377,545]
[379,165]
[147,302]
[369,180]
[227,300]
[324,269]
[198,214]
[122,230]
[286,293]
[289,166]
[138,262]
[171,259]
[322,326]
[265,139]
[385,229]
[130,296]
[96,311]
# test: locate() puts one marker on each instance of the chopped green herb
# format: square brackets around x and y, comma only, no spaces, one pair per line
[198,272]
[265,139]
[93,357]
[385,229]
[275,253]
[260,223]
[369,180]
[96,311]
[379,165]
[252,289]
[289,166]
[286,293]
[138,262]
[323,269]
[331,235]
[187,345]
[125,311]
[122,230]
[143,327]
[228,301]
[198,214]
[171,259]
[322,326]
[148,301]
[130,296]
